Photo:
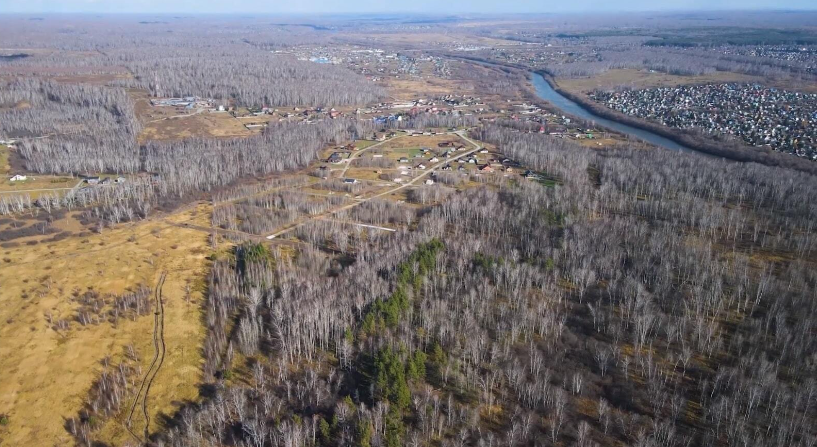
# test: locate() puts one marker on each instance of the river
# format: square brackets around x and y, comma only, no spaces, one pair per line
[546,92]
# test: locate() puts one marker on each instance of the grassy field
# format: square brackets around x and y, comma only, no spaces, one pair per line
[363,144]
[48,373]
[408,88]
[429,141]
[201,125]
[165,123]
[36,182]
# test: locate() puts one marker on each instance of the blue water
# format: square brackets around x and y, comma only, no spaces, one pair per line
[546,92]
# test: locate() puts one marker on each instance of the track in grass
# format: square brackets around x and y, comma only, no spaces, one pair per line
[156,363]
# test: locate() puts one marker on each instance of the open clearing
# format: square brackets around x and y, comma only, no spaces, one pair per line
[218,124]
[35,183]
[47,373]
[412,87]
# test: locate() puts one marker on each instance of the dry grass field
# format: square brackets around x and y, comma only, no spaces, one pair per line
[167,123]
[417,141]
[218,124]
[47,373]
[412,87]
[36,183]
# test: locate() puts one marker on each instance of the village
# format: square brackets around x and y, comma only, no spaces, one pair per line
[760,116]
[440,156]
[804,56]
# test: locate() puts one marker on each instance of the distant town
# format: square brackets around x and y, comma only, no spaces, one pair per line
[760,116]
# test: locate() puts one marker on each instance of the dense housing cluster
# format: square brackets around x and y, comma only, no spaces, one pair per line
[760,116]
[802,56]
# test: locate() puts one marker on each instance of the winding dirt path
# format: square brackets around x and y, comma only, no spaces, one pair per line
[155,364]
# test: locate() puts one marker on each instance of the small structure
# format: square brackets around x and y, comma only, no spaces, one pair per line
[486,168]
[120,180]
[350,181]
[18,178]
[429,181]
[335,158]
[92,180]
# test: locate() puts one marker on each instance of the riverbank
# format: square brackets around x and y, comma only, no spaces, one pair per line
[726,149]
[557,103]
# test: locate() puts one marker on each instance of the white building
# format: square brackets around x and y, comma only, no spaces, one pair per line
[18,178]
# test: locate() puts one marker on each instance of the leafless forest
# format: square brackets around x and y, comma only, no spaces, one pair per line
[614,294]
[675,328]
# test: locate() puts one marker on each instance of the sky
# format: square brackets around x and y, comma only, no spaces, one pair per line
[385,6]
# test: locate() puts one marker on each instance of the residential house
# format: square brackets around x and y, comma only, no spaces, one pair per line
[335,158]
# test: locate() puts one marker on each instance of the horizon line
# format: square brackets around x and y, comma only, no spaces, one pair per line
[462,14]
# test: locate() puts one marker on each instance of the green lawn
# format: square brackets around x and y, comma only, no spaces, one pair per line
[363,144]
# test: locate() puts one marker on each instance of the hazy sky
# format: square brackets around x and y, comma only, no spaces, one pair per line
[387,6]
